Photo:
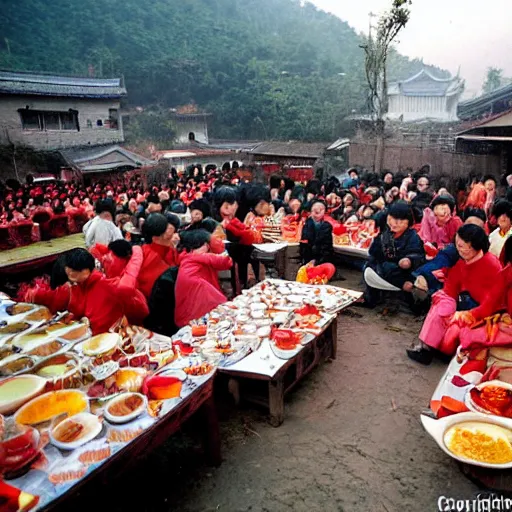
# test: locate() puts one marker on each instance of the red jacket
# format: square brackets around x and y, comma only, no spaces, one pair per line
[500,296]
[197,287]
[156,260]
[240,231]
[476,278]
[103,301]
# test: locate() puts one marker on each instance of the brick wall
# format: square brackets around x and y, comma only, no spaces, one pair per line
[442,162]
[92,110]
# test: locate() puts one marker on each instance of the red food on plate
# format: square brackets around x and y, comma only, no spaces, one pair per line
[198,330]
[458,381]
[453,405]
[285,339]
[162,387]
[494,399]
[183,347]
[308,310]
[473,366]
[13,499]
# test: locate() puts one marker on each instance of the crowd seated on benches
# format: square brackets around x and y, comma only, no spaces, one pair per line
[426,236]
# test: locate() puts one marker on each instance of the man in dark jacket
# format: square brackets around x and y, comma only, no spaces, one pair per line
[316,245]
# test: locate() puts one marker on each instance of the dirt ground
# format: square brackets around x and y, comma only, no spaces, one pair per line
[351,440]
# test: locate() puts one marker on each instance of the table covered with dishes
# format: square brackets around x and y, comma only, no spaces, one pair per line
[470,415]
[72,404]
[275,327]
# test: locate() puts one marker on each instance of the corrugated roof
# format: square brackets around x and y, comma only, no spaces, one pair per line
[425,84]
[290,149]
[49,85]
[83,159]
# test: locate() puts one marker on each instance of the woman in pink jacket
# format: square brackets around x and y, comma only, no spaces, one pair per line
[197,286]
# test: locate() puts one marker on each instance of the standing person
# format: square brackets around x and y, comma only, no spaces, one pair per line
[101,229]
[159,251]
[502,212]
[197,286]
[317,244]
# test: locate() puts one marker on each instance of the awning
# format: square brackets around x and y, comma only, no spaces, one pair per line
[103,158]
[483,138]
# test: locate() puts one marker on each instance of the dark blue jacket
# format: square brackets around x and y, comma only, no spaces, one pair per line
[444,259]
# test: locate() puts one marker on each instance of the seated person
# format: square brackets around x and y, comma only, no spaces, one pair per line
[159,251]
[439,224]
[502,211]
[394,254]
[467,286]
[240,236]
[499,297]
[86,292]
[101,229]
[316,243]
[197,286]
[199,210]
[430,276]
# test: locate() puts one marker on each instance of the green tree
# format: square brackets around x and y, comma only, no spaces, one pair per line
[493,80]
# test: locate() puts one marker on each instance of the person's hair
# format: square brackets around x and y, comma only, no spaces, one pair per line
[275,181]
[447,200]
[253,194]
[223,195]
[298,192]
[506,252]
[58,276]
[155,225]
[474,212]
[209,224]
[105,205]
[474,235]
[315,201]
[153,199]
[172,219]
[400,210]
[314,187]
[202,205]
[177,206]
[502,207]
[79,259]
[121,248]
[194,239]
[490,177]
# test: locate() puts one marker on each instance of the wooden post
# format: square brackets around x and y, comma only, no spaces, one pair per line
[276,401]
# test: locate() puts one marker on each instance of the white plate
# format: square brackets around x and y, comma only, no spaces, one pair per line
[438,428]
[91,423]
[128,417]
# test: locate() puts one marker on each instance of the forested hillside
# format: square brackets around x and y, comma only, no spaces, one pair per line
[264,68]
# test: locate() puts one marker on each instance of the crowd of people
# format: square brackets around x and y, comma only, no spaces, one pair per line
[442,247]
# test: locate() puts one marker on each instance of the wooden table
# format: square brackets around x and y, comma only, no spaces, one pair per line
[287,376]
[40,253]
[201,401]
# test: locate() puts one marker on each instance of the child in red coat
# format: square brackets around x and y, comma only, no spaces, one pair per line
[197,287]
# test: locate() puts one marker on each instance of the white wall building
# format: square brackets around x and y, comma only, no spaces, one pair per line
[48,112]
[423,97]
[191,127]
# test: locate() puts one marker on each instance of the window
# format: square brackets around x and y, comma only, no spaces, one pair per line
[113,117]
[30,120]
[191,136]
[46,120]
[89,123]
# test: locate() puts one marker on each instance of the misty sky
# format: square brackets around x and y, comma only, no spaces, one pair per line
[472,34]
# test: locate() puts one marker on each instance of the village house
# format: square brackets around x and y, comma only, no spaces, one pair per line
[423,97]
[47,112]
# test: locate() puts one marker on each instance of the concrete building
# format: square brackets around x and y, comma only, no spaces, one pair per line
[191,127]
[47,112]
[425,97]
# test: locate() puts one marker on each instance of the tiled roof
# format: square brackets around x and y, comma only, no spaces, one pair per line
[290,149]
[425,84]
[47,85]
[485,104]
